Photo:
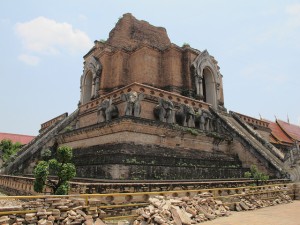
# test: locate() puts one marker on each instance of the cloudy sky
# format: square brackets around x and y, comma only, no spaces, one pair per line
[257,45]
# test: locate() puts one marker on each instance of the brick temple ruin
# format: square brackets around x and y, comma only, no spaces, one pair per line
[150,109]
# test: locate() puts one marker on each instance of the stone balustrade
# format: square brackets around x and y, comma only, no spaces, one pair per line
[53,121]
[24,186]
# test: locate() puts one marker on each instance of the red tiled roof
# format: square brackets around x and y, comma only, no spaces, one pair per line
[273,140]
[278,133]
[23,139]
[291,130]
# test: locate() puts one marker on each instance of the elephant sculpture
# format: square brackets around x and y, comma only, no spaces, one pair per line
[133,105]
[107,111]
[205,120]
[164,111]
[185,116]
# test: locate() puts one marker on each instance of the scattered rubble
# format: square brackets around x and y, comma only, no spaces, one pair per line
[52,211]
[251,202]
[181,210]
[161,210]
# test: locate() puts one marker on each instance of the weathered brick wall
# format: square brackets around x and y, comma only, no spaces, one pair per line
[139,162]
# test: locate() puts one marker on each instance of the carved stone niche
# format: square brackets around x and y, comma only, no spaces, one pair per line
[90,80]
[207,79]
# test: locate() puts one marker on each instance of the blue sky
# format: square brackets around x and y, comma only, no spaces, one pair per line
[257,45]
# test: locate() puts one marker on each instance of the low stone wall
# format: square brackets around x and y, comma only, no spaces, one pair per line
[296,190]
[17,185]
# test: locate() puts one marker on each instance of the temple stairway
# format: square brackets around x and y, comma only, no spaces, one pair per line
[32,150]
[268,155]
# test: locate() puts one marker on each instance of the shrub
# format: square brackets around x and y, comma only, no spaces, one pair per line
[60,166]
[256,174]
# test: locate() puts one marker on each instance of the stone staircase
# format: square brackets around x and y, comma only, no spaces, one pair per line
[292,162]
[270,156]
[34,147]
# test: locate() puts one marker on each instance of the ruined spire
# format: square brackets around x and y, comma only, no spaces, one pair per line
[130,33]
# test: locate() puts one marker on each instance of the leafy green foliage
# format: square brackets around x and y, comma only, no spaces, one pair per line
[64,154]
[256,174]
[68,128]
[46,154]
[60,166]
[62,189]
[247,174]
[41,173]
[192,131]
[9,149]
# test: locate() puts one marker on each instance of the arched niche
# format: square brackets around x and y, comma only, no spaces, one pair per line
[90,80]
[206,78]
[87,87]
[209,87]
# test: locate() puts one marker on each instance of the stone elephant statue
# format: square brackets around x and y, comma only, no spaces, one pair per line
[164,111]
[206,120]
[133,105]
[107,111]
[185,116]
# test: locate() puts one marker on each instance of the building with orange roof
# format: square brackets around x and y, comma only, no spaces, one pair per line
[279,137]
[23,139]
[291,130]
[281,134]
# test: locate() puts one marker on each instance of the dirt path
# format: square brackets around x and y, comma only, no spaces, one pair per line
[285,214]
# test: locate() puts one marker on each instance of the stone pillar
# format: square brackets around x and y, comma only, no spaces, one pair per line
[97,86]
[93,89]
[218,93]
[199,86]
[297,191]
[81,85]
[292,156]
[201,89]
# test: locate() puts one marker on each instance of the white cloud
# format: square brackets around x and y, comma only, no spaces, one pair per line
[45,36]
[293,9]
[29,59]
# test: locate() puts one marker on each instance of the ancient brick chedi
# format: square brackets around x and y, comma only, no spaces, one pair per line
[139,52]
[150,109]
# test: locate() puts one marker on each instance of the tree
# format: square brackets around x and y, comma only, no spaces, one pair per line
[256,175]
[60,166]
[9,149]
